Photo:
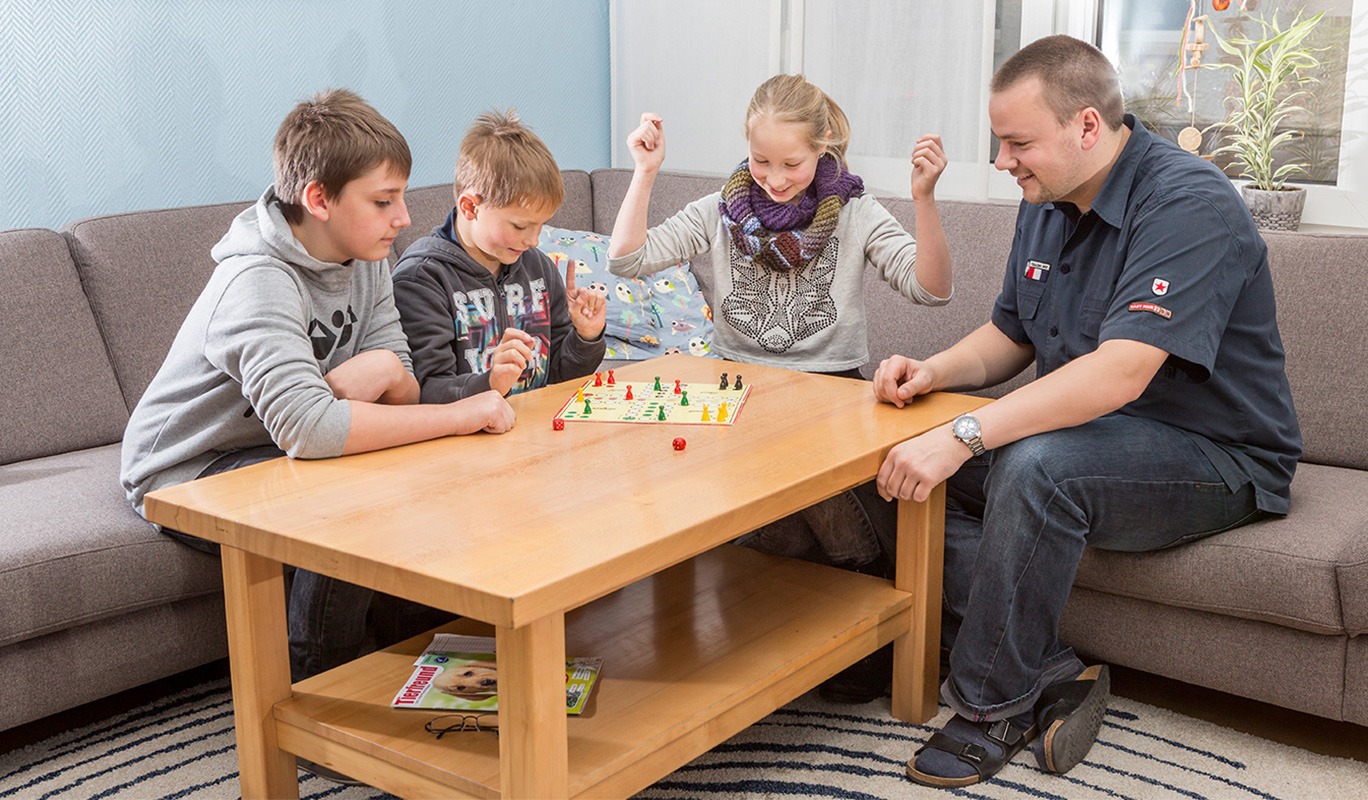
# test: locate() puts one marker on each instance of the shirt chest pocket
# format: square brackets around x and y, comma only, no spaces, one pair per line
[1029,293]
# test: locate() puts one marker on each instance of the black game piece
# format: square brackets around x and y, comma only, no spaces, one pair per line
[737,387]
[723,383]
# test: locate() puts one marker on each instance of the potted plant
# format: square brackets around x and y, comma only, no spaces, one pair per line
[1271,75]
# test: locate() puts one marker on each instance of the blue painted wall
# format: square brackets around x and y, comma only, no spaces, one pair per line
[119,105]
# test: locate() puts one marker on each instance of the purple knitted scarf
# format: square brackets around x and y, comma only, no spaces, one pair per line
[785,236]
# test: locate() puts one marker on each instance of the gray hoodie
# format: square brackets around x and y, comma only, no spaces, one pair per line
[246,369]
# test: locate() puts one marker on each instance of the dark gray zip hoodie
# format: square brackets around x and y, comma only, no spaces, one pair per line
[454,311]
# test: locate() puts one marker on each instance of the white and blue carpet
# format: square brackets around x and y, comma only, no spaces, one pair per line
[182,747]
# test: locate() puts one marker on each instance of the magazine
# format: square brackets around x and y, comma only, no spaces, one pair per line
[459,673]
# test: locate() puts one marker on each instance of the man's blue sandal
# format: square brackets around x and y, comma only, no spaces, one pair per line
[1010,739]
[1069,715]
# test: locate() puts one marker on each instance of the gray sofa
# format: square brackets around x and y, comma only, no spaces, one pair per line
[93,601]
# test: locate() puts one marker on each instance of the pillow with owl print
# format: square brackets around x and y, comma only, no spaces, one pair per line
[647,317]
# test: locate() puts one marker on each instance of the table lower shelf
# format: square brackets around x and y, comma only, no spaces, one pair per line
[691,656]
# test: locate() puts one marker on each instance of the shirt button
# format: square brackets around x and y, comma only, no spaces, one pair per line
[1064,268]
[1054,330]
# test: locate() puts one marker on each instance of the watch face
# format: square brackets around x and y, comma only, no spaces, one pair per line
[966,427]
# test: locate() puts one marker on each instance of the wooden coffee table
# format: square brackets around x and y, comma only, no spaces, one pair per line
[600,540]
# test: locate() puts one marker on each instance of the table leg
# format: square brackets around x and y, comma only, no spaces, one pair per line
[920,560]
[533,753]
[259,660]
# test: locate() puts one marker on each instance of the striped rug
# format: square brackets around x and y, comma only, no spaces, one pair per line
[182,747]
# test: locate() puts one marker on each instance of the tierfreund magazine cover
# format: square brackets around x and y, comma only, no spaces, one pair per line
[459,673]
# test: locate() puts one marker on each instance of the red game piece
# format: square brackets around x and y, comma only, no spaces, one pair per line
[558,424]
[679,443]
[676,386]
[629,392]
[598,378]
[611,380]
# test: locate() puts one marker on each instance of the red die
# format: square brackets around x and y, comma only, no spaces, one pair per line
[558,424]
[679,443]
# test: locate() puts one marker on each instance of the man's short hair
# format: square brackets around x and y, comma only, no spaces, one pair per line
[334,139]
[1073,76]
[504,163]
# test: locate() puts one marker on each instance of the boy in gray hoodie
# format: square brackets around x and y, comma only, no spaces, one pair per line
[482,306]
[295,347]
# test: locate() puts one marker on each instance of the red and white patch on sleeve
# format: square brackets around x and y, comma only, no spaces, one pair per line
[1160,286]
[1153,308]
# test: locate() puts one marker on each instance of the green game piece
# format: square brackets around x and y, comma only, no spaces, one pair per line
[657,386]
[684,399]
[661,415]
[586,407]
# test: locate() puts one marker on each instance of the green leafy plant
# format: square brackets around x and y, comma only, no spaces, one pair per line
[1272,76]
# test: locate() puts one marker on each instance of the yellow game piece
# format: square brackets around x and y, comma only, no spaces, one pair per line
[579,395]
[722,413]
[706,418]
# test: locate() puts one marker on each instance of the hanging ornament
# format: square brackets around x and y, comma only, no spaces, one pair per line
[1190,57]
[1220,5]
[1190,139]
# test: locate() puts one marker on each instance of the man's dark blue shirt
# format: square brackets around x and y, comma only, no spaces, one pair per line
[1167,255]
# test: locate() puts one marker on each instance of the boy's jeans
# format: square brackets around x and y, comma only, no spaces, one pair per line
[327,617]
[1016,522]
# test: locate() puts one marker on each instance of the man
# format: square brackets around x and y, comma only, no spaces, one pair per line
[1160,412]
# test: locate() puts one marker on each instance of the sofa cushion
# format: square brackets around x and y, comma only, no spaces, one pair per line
[57,387]
[428,207]
[1321,296]
[646,317]
[74,552]
[1304,571]
[142,271]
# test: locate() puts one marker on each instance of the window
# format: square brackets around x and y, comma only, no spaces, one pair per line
[1144,38]
[900,69]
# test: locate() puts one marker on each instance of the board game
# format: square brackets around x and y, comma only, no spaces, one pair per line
[603,399]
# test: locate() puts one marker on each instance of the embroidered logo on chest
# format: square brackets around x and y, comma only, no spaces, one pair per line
[1160,286]
[1037,270]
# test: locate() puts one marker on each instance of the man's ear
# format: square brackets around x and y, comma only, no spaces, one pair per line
[1093,126]
[466,204]
[316,202]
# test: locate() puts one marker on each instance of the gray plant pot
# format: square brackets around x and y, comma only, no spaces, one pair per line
[1275,211]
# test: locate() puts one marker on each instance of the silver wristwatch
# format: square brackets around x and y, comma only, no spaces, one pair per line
[966,429]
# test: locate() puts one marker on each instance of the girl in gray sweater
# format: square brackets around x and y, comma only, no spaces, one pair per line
[793,233]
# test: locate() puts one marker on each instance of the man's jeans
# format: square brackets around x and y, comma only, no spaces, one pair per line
[327,617]
[1016,523]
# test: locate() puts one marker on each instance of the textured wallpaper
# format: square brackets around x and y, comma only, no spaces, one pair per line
[109,106]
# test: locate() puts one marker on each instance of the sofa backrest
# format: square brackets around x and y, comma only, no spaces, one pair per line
[142,271]
[57,388]
[980,239]
[1321,283]
[428,207]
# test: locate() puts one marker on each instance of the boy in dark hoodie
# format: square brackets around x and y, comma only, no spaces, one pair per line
[482,306]
[295,348]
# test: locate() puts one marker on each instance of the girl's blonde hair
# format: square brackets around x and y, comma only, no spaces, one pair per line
[792,99]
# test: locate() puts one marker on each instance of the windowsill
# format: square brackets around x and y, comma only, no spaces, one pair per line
[1313,227]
